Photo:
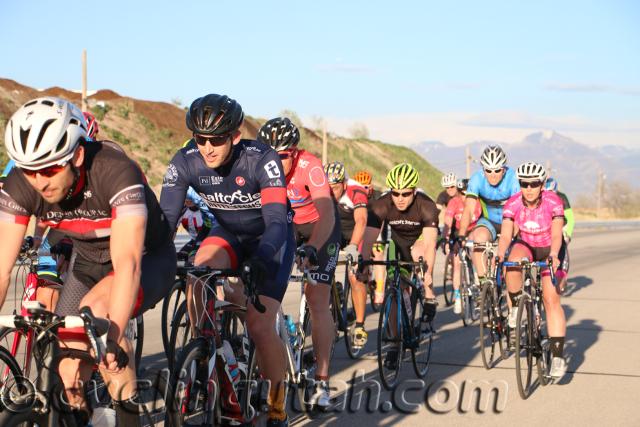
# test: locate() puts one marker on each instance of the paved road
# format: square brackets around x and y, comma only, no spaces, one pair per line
[602,306]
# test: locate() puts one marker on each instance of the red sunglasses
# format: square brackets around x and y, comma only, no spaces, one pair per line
[48,172]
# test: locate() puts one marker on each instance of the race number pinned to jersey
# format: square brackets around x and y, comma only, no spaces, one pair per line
[272,169]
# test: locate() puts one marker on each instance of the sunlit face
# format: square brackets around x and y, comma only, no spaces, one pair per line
[338,189]
[53,183]
[402,199]
[452,191]
[287,157]
[494,176]
[531,190]
[216,150]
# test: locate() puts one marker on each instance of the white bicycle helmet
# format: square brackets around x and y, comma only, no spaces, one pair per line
[493,157]
[44,132]
[531,171]
[448,180]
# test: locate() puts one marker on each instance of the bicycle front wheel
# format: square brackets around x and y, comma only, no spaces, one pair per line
[180,334]
[349,315]
[447,281]
[524,346]
[390,340]
[490,326]
[422,337]
[169,309]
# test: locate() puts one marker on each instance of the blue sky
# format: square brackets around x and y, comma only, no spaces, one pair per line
[411,71]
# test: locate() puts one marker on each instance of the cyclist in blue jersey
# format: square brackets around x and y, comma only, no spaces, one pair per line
[243,183]
[491,187]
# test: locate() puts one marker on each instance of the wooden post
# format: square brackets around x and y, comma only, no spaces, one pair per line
[468,159]
[84,80]
[324,144]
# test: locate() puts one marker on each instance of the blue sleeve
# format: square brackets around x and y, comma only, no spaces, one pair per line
[273,191]
[7,168]
[174,189]
[475,184]
[197,200]
[514,184]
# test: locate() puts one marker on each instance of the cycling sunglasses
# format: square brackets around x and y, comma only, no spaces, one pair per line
[493,171]
[285,154]
[403,194]
[48,172]
[215,141]
[533,184]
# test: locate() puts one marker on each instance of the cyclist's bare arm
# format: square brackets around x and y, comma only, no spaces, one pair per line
[430,236]
[469,208]
[12,236]
[556,239]
[323,228]
[505,237]
[360,218]
[126,246]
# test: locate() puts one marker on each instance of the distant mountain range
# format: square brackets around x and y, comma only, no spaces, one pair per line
[573,164]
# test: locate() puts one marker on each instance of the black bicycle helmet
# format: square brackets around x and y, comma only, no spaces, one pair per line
[214,115]
[280,133]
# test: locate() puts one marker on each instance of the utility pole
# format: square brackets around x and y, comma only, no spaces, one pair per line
[600,192]
[468,159]
[324,144]
[84,80]
[548,167]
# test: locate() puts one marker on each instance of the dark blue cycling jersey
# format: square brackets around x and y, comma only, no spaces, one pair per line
[247,195]
[493,197]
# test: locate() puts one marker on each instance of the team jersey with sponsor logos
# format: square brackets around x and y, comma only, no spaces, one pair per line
[493,197]
[306,182]
[355,196]
[110,186]
[455,207]
[534,224]
[247,195]
[407,224]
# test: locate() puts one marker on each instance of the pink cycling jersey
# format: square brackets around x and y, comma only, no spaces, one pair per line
[534,223]
[306,182]
[455,207]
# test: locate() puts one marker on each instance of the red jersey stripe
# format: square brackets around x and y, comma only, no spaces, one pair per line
[273,195]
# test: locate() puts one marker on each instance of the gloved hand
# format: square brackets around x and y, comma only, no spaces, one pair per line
[310,255]
[352,250]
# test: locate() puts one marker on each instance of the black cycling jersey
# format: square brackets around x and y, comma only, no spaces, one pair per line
[407,224]
[109,185]
[247,195]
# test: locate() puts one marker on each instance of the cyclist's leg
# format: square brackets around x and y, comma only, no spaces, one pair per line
[482,233]
[358,286]
[379,271]
[270,348]
[318,297]
[513,277]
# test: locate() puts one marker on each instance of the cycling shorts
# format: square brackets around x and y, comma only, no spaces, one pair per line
[327,254]
[542,254]
[493,227]
[241,248]
[158,271]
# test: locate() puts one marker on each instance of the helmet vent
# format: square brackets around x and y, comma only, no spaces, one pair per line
[24,137]
[60,145]
[48,102]
[30,103]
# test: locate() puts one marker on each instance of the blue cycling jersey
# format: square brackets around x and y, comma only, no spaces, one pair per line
[204,209]
[7,168]
[247,195]
[493,197]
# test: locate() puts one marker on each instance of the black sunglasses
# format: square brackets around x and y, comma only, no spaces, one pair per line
[213,140]
[398,194]
[495,171]
[533,184]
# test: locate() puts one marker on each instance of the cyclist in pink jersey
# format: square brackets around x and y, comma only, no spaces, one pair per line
[535,218]
[317,228]
[451,230]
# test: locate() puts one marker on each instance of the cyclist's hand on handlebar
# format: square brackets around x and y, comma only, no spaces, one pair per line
[306,257]
[555,263]
[352,250]
[115,358]
[254,271]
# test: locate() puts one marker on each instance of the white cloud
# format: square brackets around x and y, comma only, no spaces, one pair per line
[593,88]
[456,128]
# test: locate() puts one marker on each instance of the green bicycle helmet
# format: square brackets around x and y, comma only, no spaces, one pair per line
[402,176]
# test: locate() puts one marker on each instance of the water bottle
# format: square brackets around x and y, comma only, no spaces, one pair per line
[291,328]
[232,363]
[103,417]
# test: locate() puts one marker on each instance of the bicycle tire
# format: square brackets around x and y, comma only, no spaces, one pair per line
[423,336]
[524,346]
[21,355]
[447,280]
[170,306]
[490,327]
[389,375]
[187,382]
[180,334]
[139,342]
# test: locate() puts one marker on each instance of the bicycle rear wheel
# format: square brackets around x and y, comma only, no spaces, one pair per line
[447,280]
[18,342]
[169,309]
[524,346]
[390,340]
[491,327]
[423,337]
